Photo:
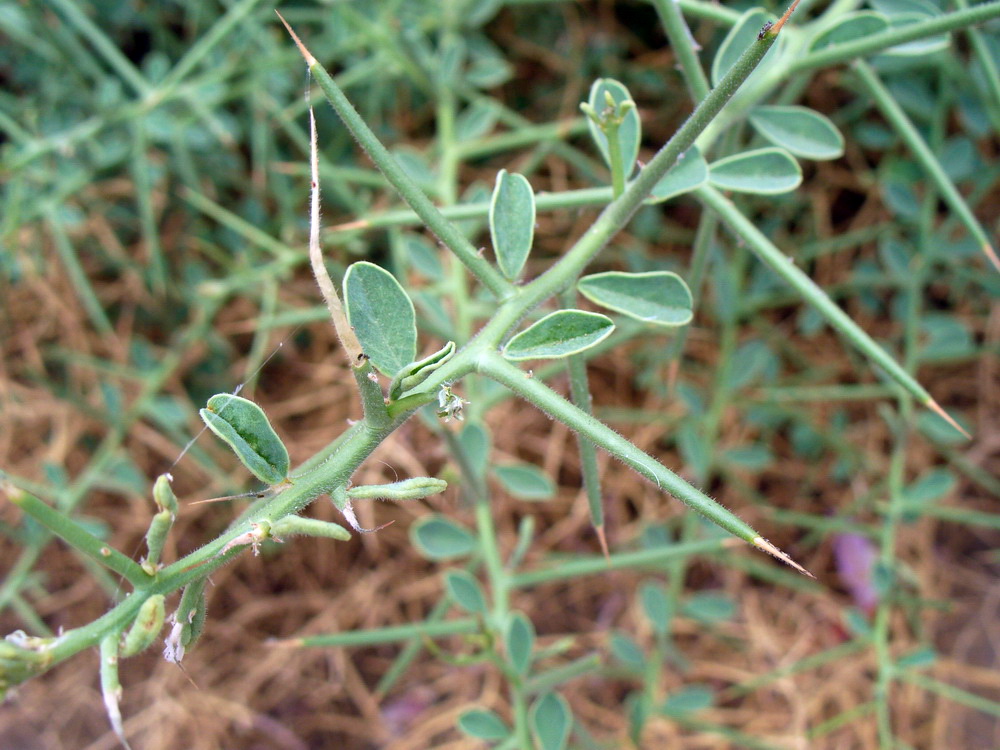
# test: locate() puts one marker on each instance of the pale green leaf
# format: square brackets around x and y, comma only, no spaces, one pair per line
[658,297]
[512,222]
[765,171]
[799,130]
[245,428]
[483,724]
[559,334]
[440,538]
[382,316]
[743,33]
[525,481]
[551,721]
[519,641]
[690,172]
[850,28]
[465,591]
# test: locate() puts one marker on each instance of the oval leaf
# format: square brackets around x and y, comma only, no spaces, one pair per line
[690,172]
[382,316]
[765,171]
[924,46]
[551,721]
[525,481]
[655,606]
[244,426]
[850,28]
[559,334]
[799,130]
[688,699]
[740,36]
[439,538]
[483,724]
[520,642]
[512,222]
[658,297]
[465,591]
[475,440]
[630,129]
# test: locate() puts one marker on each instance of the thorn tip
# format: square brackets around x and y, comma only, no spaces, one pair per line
[765,545]
[310,60]
[935,407]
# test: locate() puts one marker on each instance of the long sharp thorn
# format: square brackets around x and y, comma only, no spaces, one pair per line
[604,542]
[992,255]
[310,60]
[772,550]
[935,407]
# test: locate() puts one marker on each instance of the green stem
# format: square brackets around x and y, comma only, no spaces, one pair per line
[495,367]
[811,292]
[78,537]
[618,214]
[911,136]
[408,190]
[684,47]
[850,51]
[579,388]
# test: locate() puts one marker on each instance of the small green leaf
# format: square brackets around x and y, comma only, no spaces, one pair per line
[382,315]
[476,120]
[512,222]
[755,457]
[439,538]
[765,171]
[688,700]
[558,335]
[483,724]
[551,721]
[690,172]
[857,622]
[630,129]
[850,28]
[627,651]
[519,641]
[743,33]
[709,608]
[421,255]
[655,606]
[658,297]
[465,591]
[416,373]
[918,659]
[525,481]
[244,427]
[476,441]
[930,487]
[799,130]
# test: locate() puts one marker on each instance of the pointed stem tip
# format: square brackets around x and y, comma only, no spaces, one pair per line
[765,545]
[991,254]
[604,542]
[935,407]
[310,60]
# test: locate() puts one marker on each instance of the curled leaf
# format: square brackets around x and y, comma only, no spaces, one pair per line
[245,428]
[417,372]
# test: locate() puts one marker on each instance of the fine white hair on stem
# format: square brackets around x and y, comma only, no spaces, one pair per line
[345,333]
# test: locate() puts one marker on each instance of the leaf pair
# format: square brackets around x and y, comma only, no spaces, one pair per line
[657,297]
